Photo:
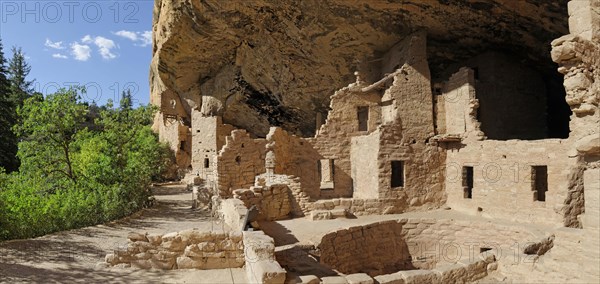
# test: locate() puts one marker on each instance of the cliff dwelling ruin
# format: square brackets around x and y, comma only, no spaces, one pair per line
[387,141]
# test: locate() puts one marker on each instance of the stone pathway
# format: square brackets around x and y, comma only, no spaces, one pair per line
[72,256]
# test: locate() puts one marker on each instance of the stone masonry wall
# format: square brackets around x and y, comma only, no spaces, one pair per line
[408,102]
[208,137]
[182,250]
[239,161]
[272,202]
[294,156]
[299,199]
[333,138]
[502,183]
[423,169]
[407,244]
[374,250]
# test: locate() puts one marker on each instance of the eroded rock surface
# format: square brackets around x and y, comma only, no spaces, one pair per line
[271,63]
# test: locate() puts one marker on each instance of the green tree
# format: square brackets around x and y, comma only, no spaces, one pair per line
[126,102]
[78,169]
[8,140]
[18,70]
[48,131]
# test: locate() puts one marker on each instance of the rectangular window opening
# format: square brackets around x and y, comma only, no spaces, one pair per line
[206,163]
[467,182]
[397,173]
[363,118]
[539,180]
[182,145]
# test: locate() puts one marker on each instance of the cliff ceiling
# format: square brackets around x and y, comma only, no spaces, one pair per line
[271,62]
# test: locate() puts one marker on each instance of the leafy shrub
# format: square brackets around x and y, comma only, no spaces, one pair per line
[75,172]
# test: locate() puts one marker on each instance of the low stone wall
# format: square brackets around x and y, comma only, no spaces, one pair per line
[298,198]
[182,250]
[464,271]
[261,266]
[233,212]
[361,207]
[406,244]
[373,249]
[272,202]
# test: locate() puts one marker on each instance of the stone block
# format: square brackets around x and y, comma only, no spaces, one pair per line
[454,273]
[476,268]
[154,239]
[174,245]
[359,278]
[195,236]
[339,213]
[166,264]
[333,280]
[394,278]
[137,237]
[320,215]
[419,276]
[307,279]
[169,236]
[265,271]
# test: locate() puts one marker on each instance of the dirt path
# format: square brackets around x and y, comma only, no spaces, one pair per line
[72,256]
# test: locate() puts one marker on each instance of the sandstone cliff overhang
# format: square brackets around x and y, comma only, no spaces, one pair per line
[273,63]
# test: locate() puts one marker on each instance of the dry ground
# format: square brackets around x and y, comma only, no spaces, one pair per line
[72,256]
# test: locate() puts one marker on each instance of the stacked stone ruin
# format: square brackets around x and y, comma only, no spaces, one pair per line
[472,138]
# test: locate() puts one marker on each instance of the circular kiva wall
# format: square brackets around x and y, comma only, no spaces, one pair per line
[409,244]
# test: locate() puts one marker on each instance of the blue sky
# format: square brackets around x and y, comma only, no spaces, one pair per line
[103,45]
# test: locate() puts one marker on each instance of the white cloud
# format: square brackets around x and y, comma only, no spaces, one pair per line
[144,38]
[55,45]
[60,56]
[86,39]
[127,34]
[105,45]
[81,52]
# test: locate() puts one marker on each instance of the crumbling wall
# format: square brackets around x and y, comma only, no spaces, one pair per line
[182,250]
[272,202]
[578,56]
[294,156]
[175,132]
[591,221]
[333,140]
[299,199]
[408,102]
[460,105]
[239,161]
[208,137]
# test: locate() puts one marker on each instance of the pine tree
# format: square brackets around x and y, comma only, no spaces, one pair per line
[126,100]
[18,70]
[8,140]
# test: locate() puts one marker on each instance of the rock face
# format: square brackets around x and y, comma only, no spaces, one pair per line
[271,63]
